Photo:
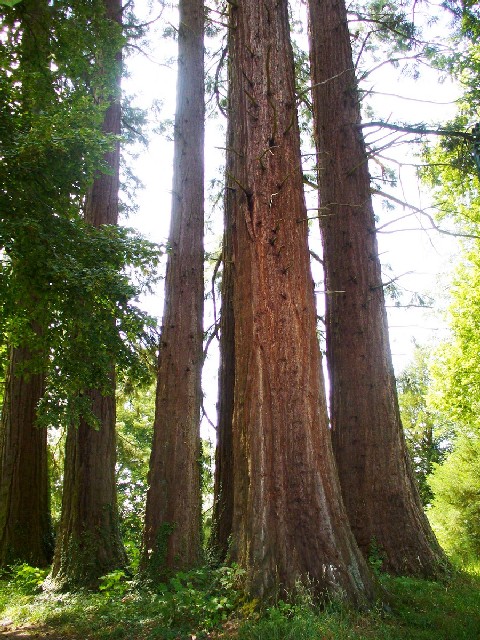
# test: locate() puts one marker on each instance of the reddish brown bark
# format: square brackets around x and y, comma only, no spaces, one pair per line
[173,510]
[289,522]
[377,482]
[25,525]
[89,544]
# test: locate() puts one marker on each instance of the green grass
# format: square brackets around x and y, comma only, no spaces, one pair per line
[207,604]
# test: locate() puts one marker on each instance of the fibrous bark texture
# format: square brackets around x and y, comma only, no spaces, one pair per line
[289,522]
[25,526]
[173,510]
[223,489]
[89,543]
[378,488]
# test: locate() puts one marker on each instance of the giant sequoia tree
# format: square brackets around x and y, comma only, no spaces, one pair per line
[89,543]
[25,527]
[380,494]
[289,521]
[173,510]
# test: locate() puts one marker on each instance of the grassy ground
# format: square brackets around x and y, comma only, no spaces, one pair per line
[206,604]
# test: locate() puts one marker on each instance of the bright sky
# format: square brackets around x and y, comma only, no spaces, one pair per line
[424,257]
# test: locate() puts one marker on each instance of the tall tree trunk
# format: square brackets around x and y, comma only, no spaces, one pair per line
[289,522]
[25,524]
[382,500]
[173,510]
[89,543]
[223,488]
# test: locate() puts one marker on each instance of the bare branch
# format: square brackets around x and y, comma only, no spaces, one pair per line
[205,414]
[395,95]
[214,277]
[455,234]
[316,257]
[214,334]
[319,84]
[419,129]
[417,57]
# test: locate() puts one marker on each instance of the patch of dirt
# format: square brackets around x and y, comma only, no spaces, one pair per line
[30,631]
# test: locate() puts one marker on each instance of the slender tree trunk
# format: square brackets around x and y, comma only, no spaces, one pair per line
[380,494]
[289,522]
[173,510]
[89,543]
[25,524]
[223,489]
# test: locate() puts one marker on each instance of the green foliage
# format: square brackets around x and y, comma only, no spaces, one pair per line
[68,291]
[452,169]
[376,557]
[26,578]
[114,583]
[455,370]
[455,513]
[135,417]
[428,433]
[202,598]
[207,603]
[454,176]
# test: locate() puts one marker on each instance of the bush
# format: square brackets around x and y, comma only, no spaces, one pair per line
[455,512]
[27,579]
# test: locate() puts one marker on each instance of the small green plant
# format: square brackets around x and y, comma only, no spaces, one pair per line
[200,598]
[376,557]
[27,579]
[115,583]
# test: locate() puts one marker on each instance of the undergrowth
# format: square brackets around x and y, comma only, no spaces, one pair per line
[207,603]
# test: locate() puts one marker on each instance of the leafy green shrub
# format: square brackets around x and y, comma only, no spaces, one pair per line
[455,513]
[115,583]
[200,598]
[27,579]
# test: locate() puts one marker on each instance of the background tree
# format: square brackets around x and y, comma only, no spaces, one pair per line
[25,525]
[428,433]
[88,542]
[378,487]
[173,509]
[452,171]
[455,482]
[289,522]
[223,482]
[135,417]
[78,273]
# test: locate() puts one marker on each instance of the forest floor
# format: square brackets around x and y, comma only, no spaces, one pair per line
[206,605]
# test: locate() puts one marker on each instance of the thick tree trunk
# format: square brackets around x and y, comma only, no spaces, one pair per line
[173,510]
[380,495]
[25,525]
[89,543]
[289,522]
[223,489]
